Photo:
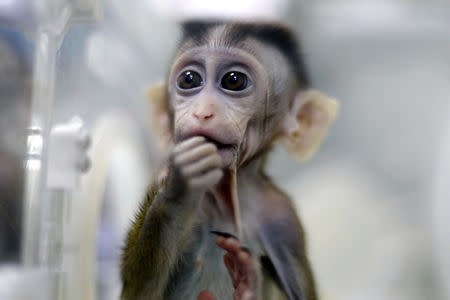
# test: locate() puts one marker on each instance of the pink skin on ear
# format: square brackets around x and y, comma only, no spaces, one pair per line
[307,123]
[242,270]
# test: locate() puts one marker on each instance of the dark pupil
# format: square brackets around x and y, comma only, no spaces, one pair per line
[235,81]
[189,80]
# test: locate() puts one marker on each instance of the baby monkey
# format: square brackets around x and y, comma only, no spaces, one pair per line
[213,225]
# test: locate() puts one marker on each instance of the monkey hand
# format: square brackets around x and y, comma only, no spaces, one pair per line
[195,165]
[243,270]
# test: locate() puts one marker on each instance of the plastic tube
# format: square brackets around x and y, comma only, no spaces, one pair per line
[38,134]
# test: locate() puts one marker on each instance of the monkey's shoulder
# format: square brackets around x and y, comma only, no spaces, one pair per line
[275,203]
[279,221]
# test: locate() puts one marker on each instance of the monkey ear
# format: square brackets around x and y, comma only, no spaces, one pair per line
[307,123]
[159,114]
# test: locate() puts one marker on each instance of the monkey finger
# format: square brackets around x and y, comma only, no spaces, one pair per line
[230,263]
[232,249]
[195,153]
[243,292]
[206,180]
[188,144]
[209,162]
[247,267]
[248,295]
[206,295]
[229,244]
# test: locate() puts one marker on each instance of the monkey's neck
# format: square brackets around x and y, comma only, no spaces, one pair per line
[227,190]
[223,192]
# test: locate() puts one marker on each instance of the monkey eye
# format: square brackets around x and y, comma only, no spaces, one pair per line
[189,80]
[234,81]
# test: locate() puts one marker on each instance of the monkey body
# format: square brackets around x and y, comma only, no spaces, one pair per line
[199,264]
[233,90]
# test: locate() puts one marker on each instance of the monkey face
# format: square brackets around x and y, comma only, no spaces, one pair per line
[221,94]
[242,94]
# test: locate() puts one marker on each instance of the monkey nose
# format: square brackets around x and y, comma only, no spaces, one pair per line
[203,114]
[204,109]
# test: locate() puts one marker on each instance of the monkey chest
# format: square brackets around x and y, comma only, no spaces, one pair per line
[201,268]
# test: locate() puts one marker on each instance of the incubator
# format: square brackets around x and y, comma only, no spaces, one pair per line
[88,154]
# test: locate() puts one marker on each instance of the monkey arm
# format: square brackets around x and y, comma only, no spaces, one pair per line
[165,219]
[286,260]
[155,241]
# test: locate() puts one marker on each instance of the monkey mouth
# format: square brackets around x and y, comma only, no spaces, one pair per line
[219,145]
[226,147]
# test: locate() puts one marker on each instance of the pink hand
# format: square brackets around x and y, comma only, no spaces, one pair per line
[242,270]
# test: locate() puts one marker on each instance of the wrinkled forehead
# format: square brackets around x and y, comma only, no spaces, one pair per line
[227,38]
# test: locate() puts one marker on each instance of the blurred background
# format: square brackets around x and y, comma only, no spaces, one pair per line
[375,200]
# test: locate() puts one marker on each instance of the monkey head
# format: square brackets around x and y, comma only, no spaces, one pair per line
[243,87]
